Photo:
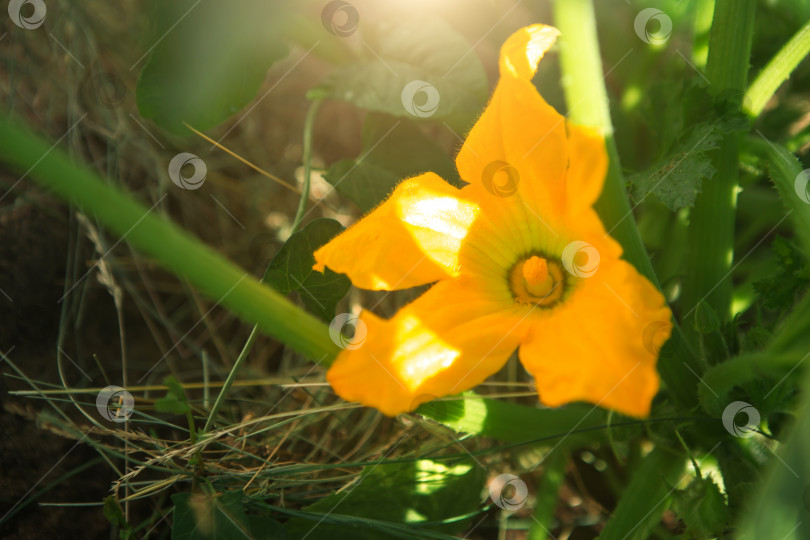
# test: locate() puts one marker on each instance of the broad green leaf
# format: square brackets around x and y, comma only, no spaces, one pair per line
[291,269]
[401,493]
[417,67]
[209,61]
[574,424]
[677,179]
[219,517]
[393,149]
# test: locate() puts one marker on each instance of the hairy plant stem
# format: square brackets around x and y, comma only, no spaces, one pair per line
[167,244]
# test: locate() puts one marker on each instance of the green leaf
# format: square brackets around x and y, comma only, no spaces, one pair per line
[781,290]
[211,64]
[219,517]
[291,269]
[393,149]
[400,493]
[401,54]
[706,319]
[171,405]
[703,508]
[174,402]
[576,423]
[114,514]
[677,179]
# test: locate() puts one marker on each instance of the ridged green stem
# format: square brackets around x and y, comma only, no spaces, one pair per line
[711,223]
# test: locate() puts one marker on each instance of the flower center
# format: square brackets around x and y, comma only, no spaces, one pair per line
[536,280]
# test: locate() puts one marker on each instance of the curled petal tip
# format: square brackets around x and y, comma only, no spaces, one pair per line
[525,48]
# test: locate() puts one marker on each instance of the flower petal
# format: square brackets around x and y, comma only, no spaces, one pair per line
[448,340]
[587,167]
[519,133]
[522,145]
[411,239]
[601,344]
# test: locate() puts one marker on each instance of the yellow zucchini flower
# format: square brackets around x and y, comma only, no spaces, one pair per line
[520,260]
